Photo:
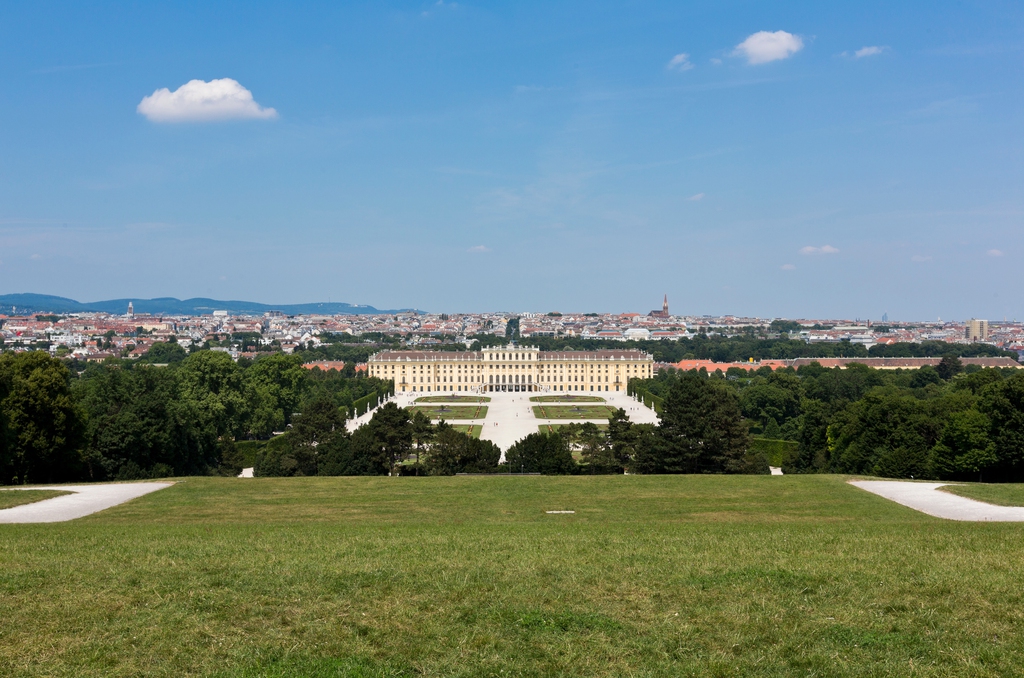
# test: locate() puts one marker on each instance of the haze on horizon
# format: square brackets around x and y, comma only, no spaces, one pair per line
[788,159]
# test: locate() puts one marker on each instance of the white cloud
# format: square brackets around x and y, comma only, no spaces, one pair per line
[868,51]
[995,253]
[824,249]
[199,101]
[716,62]
[35,257]
[762,47]
[787,267]
[695,197]
[920,257]
[479,248]
[680,62]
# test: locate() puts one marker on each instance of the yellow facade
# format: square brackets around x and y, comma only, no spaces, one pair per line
[511,368]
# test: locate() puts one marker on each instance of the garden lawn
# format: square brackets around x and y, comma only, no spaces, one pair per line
[566,399]
[472,430]
[453,399]
[453,412]
[468,576]
[12,498]
[1009,494]
[573,412]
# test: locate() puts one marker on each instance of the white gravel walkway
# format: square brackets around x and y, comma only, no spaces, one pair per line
[927,498]
[83,500]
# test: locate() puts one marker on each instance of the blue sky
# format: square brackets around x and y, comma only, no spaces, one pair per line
[590,156]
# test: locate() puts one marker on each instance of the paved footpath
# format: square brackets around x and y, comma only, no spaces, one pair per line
[928,498]
[83,500]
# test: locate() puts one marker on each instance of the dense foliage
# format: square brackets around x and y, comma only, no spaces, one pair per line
[127,420]
[207,414]
[750,345]
[946,422]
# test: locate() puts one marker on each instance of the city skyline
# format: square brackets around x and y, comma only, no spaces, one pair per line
[792,160]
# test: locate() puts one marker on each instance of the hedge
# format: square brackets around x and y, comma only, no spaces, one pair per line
[648,398]
[360,407]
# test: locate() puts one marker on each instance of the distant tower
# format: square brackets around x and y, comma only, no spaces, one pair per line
[663,313]
[977,330]
[885,317]
[131,310]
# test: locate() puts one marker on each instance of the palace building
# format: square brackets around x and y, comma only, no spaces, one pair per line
[510,368]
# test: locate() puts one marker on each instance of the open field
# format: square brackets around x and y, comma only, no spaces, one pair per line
[553,428]
[12,498]
[573,412]
[453,399]
[1008,494]
[450,413]
[472,430]
[653,576]
[566,399]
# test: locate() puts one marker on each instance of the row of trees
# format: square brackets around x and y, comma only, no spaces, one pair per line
[946,422]
[702,430]
[392,442]
[702,346]
[126,420]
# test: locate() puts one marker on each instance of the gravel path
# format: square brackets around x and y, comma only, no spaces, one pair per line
[927,498]
[83,500]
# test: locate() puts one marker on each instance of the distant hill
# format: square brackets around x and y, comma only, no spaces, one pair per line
[44,303]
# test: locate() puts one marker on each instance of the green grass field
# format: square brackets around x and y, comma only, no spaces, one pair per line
[453,399]
[467,576]
[1010,494]
[12,498]
[553,428]
[573,412]
[453,412]
[566,399]
[472,430]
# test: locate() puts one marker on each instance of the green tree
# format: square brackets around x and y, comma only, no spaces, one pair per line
[274,387]
[210,388]
[949,367]
[887,433]
[131,431]
[546,453]
[1004,405]
[455,452]
[596,449]
[422,431]
[164,352]
[701,431]
[45,425]
[965,450]
[392,429]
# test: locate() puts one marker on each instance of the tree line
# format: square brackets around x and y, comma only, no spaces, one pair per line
[69,421]
[946,422]
[702,430]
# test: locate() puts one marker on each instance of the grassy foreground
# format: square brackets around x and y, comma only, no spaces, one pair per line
[1009,494]
[12,498]
[467,576]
